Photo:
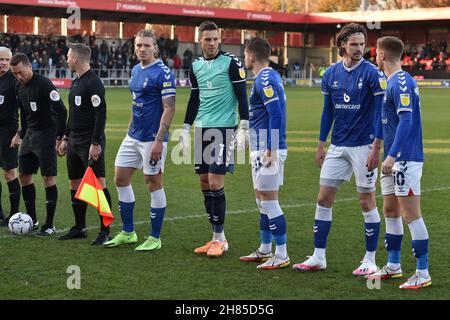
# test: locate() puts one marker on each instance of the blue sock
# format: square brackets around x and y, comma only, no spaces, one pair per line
[156,218]
[321,231]
[278,228]
[372,231]
[126,212]
[264,229]
[393,244]
[420,250]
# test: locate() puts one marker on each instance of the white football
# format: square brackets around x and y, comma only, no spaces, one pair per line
[20,223]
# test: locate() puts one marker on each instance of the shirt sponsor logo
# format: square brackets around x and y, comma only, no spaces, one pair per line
[167,84]
[2,99]
[347,106]
[383,83]
[78,101]
[96,100]
[404,99]
[346,98]
[268,91]
[54,95]
[209,84]
[33,106]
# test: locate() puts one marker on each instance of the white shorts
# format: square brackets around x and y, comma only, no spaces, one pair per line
[341,162]
[136,154]
[267,178]
[404,180]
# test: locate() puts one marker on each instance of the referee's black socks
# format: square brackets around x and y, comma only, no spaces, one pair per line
[79,210]
[1,208]
[29,197]
[14,195]
[51,196]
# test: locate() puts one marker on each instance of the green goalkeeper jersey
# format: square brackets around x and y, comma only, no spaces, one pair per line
[214,79]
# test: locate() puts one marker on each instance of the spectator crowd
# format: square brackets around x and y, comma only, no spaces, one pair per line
[432,56]
[111,58]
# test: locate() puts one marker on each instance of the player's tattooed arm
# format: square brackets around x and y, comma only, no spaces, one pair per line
[166,118]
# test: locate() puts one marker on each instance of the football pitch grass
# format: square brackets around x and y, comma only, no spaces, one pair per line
[35,268]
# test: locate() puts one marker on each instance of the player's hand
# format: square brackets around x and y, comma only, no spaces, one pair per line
[62,149]
[95,152]
[320,155]
[156,151]
[388,163]
[269,158]
[242,136]
[16,141]
[372,159]
[185,139]
[57,143]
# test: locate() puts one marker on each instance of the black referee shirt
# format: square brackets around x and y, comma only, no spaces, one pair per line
[41,106]
[9,108]
[87,107]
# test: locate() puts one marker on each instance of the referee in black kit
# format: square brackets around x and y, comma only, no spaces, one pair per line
[43,122]
[84,139]
[9,122]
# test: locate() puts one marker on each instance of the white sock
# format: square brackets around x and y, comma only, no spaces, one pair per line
[281,251]
[265,247]
[319,253]
[424,273]
[158,199]
[370,256]
[219,236]
[393,266]
[126,194]
[372,216]
[394,225]
[418,229]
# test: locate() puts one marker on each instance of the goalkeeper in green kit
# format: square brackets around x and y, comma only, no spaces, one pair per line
[218,86]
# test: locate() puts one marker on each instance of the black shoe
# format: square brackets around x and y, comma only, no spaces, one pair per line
[35,226]
[4,222]
[46,231]
[101,238]
[74,233]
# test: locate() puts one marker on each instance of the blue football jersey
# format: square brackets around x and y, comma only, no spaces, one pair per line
[267,109]
[148,86]
[402,95]
[352,92]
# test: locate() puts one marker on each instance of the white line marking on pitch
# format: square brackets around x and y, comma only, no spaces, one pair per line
[287,206]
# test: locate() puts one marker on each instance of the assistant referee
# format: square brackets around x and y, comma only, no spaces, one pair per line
[84,139]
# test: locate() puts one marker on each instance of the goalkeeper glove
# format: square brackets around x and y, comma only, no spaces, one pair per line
[242,136]
[185,138]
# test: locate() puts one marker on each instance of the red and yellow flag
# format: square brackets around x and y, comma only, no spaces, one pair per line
[91,192]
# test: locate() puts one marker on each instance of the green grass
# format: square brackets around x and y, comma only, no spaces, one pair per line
[33,268]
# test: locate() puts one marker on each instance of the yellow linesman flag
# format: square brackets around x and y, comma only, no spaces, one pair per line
[91,192]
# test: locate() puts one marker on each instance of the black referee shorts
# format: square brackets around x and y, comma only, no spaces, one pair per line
[8,155]
[211,150]
[38,151]
[78,155]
